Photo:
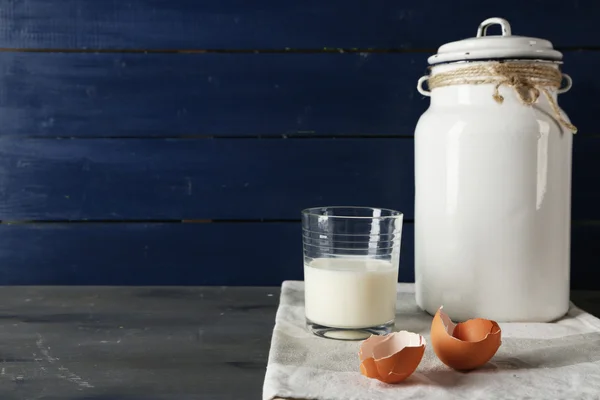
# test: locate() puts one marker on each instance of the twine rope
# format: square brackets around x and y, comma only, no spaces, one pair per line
[528,81]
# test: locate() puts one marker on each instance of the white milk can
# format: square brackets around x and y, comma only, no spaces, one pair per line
[493,180]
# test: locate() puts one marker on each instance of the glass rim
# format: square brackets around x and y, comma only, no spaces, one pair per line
[312,211]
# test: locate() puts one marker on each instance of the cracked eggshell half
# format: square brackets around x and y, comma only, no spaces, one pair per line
[391,358]
[466,345]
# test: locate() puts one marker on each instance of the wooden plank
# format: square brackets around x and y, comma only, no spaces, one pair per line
[582,102]
[160,179]
[77,95]
[584,255]
[226,179]
[76,343]
[169,95]
[159,253]
[139,179]
[586,178]
[587,300]
[271,24]
[194,254]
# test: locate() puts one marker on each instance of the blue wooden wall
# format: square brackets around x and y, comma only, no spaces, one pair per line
[175,141]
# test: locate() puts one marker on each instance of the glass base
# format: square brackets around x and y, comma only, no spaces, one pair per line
[349,333]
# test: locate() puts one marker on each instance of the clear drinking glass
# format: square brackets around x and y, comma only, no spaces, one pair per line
[351,257]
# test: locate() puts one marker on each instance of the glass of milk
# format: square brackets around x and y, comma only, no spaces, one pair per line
[351,257]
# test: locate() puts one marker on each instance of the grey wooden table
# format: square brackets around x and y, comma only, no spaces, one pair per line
[108,343]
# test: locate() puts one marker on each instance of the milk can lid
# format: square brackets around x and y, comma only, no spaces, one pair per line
[505,46]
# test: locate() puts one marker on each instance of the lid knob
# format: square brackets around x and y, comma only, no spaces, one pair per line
[486,47]
[483,27]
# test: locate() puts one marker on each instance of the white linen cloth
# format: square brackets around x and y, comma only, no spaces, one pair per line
[559,360]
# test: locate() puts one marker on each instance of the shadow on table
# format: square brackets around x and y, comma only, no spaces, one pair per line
[547,353]
[520,355]
[514,354]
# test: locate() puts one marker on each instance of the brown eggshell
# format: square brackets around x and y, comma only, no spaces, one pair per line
[467,345]
[391,358]
[369,369]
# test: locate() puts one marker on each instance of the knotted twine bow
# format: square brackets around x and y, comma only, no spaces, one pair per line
[528,80]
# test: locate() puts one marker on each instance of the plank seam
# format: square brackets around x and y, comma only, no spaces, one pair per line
[158,221]
[578,222]
[334,50]
[194,137]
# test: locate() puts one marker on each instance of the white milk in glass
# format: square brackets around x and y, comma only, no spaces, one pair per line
[350,292]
